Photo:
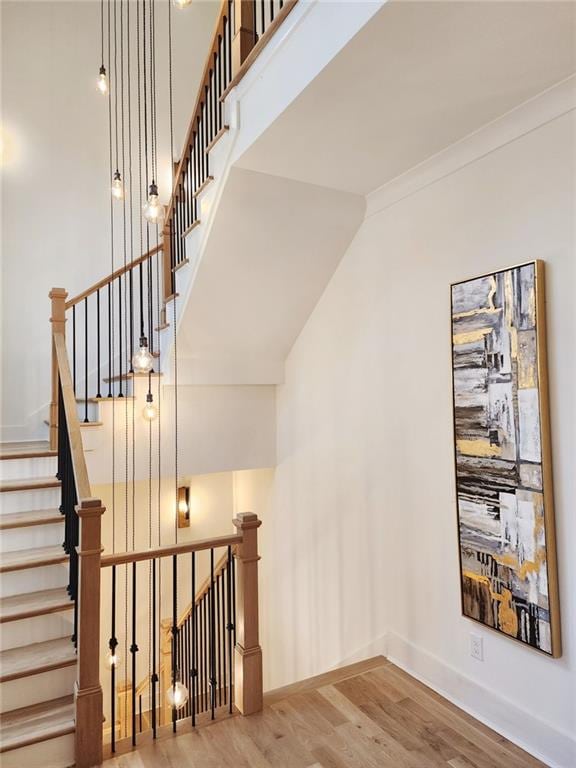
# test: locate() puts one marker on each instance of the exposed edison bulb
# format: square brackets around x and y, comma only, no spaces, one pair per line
[113,658]
[177,695]
[150,411]
[102,81]
[142,360]
[153,210]
[181,3]
[117,188]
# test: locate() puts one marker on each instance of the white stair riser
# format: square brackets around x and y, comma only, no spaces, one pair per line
[53,753]
[33,579]
[17,469]
[36,629]
[31,537]
[35,689]
[22,501]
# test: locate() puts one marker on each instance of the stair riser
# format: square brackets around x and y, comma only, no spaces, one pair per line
[53,753]
[14,469]
[36,629]
[33,580]
[21,501]
[31,537]
[35,689]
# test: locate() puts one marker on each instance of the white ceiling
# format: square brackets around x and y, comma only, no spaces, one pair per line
[418,77]
[273,247]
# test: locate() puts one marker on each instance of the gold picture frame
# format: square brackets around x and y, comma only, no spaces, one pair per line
[502,455]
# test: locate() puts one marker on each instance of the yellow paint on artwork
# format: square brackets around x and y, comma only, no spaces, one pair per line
[507,615]
[478,448]
[532,306]
[469,337]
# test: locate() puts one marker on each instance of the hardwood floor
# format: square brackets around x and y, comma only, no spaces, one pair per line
[370,715]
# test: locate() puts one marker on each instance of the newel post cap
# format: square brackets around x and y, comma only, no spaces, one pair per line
[245,520]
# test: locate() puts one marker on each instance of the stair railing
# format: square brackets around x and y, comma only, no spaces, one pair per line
[243,29]
[82,543]
[217,639]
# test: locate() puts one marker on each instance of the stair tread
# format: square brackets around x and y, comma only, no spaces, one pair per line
[39,722]
[30,517]
[29,484]
[32,558]
[35,658]
[34,604]
[27,450]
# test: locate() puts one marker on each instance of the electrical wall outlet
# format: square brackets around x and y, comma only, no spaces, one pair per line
[476,647]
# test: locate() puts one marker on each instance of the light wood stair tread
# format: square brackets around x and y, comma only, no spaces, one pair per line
[29,484]
[32,558]
[31,604]
[126,376]
[39,722]
[31,517]
[35,658]
[27,450]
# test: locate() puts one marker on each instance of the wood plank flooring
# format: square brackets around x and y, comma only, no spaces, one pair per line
[371,715]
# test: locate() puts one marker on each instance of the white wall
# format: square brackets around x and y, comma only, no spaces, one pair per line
[55,176]
[361,546]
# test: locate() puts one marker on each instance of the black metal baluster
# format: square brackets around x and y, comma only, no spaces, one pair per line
[218,641]
[206,655]
[224,636]
[229,27]
[86,420]
[262,17]
[131,283]
[74,349]
[271,11]
[174,632]
[112,644]
[109,340]
[120,393]
[98,374]
[230,626]
[219,89]
[154,678]
[201,653]
[133,651]
[212,635]
[194,674]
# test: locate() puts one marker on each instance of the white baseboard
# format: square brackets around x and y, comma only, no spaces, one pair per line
[554,747]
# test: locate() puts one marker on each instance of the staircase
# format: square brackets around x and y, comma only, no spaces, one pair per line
[37,655]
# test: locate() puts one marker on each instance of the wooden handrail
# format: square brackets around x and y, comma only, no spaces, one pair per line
[110,278]
[257,49]
[122,558]
[75,437]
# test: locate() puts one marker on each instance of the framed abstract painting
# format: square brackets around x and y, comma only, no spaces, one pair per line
[504,495]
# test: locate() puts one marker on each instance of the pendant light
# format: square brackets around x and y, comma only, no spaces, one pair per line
[177,695]
[112,657]
[142,361]
[102,81]
[117,187]
[153,210]
[181,3]
[150,411]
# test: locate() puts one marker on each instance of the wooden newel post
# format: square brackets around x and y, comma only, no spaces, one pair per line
[167,274]
[248,653]
[88,691]
[58,321]
[244,33]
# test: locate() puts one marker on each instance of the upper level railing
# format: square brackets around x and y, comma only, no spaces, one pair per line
[243,28]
